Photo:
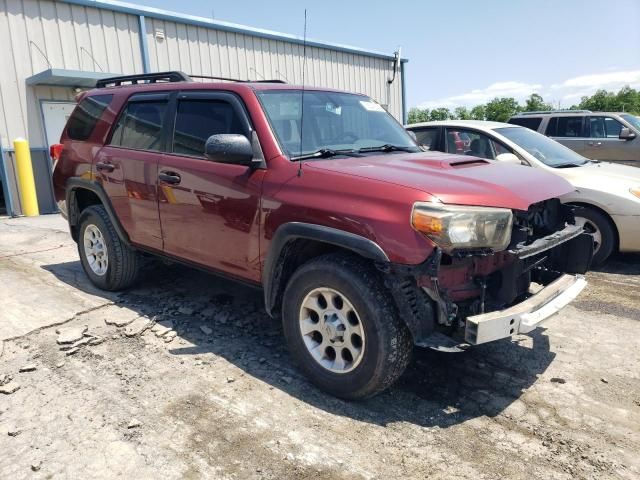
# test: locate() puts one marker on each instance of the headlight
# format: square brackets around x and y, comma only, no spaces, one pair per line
[635,191]
[454,227]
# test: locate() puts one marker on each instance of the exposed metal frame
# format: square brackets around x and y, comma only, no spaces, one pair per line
[404,99]
[161,14]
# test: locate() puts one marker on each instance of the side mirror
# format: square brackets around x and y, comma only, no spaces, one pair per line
[229,148]
[509,158]
[626,134]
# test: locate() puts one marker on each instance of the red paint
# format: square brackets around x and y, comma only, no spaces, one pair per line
[224,216]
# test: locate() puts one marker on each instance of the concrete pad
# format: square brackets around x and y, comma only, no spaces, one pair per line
[41,280]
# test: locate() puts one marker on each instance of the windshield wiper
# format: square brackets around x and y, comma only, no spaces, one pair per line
[568,165]
[387,148]
[326,153]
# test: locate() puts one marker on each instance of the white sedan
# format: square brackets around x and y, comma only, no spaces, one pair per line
[609,193]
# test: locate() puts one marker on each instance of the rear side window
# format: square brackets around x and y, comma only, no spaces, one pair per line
[140,126]
[427,137]
[565,127]
[84,118]
[530,122]
[197,120]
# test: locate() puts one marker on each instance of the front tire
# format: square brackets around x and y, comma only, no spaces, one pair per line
[107,261]
[599,227]
[342,327]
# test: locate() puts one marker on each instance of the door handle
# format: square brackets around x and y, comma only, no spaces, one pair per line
[170,177]
[595,144]
[106,167]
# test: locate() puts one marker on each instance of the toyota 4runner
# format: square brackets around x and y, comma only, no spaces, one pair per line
[364,244]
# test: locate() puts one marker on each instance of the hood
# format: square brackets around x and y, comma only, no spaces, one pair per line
[604,174]
[455,179]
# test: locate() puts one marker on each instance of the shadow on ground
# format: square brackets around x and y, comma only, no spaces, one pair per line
[622,264]
[438,389]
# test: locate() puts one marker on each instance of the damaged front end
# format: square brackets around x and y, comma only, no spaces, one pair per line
[463,297]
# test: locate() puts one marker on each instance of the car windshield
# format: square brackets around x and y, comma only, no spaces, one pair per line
[634,121]
[543,148]
[334,123]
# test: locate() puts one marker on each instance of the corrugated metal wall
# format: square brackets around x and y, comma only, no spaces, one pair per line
[71,37]
[205,51]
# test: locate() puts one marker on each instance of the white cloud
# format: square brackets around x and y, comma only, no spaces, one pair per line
[518,90]
[567,93]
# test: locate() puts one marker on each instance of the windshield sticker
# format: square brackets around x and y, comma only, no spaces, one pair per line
[371,106]
[331,108]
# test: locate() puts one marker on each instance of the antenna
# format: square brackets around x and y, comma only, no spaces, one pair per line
[304,65]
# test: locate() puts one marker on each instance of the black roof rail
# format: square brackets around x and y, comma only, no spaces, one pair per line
[566,110]
[227,79]
[144,78]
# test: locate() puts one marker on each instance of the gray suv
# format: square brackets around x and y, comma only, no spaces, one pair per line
[614,137]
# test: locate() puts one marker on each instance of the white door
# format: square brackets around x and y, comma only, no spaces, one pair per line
[55,116]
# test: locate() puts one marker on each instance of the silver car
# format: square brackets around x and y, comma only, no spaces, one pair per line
[610,136]
[608,194]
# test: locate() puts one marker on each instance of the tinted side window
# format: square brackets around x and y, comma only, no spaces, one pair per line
[569,127]
[197,120]
[427,137]
[530,122]
[140,126]
[596,127]
[552,127]
[612,127]
[84,118]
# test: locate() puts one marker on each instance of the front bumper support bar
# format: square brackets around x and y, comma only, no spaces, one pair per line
[527,315]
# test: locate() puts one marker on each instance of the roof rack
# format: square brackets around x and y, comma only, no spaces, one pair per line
[227,79]
[566,110]
[160,77]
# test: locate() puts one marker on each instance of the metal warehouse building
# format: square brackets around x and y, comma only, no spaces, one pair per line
[51,50]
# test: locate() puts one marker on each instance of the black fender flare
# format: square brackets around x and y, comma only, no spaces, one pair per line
[73,213]
[288,232]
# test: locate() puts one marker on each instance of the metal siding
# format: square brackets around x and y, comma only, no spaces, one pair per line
[69,36]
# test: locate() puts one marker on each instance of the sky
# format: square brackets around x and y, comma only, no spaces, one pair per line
[466,52]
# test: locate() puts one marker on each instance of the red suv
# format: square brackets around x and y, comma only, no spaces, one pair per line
[363,244]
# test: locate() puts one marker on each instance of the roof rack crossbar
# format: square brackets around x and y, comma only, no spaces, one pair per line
[565,110]
[162,77]
[227,79]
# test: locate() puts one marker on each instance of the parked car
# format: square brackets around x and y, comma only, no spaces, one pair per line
[610,136]
[363,244]
[608,194]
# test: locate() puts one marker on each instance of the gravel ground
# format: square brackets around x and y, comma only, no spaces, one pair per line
[186,377]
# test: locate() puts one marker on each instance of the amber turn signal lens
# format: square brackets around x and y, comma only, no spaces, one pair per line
[635,191]
[426,224]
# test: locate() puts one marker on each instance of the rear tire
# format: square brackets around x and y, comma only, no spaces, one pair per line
[599,225]
[355,345]
[107,261]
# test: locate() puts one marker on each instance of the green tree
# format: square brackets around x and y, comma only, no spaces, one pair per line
[502,109]
[462,113]
[417,115]
[440,114]
[478,112]
[536,103]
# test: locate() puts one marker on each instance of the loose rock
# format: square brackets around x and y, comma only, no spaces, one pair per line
[72,351]
[162,328]
[137,327]
[4,378]
[27,368]
[604,380]
[14,432]
[9,388]
[71,334]
[185,310]
[134,423]
[60,364]
[230,379]
[36,466]
[168,338]
[286,379]
[558,380]
[206,330]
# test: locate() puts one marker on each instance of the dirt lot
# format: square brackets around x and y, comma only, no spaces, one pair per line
[219,398]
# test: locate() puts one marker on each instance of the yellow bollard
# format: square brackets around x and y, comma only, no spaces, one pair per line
[26,182]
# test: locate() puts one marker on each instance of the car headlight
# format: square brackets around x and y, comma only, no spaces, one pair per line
[635,191]
[454,227]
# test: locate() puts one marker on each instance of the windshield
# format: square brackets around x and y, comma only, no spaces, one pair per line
[543,148]
[332,121]
[634,121]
